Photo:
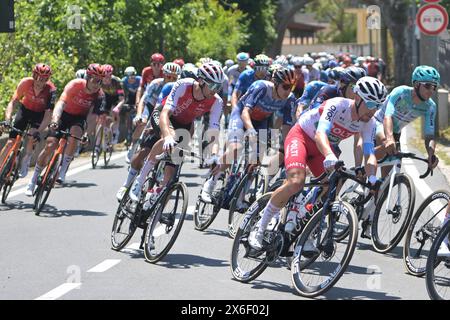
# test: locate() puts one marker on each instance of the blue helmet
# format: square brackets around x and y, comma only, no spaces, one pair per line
[352,74]
[335,73]
[332,64]
[242,56]
[426,74]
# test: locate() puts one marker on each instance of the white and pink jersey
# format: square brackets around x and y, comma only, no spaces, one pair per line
[334,117]
[184,108]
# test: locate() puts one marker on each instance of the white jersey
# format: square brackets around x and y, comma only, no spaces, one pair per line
[233,74]
[334,117]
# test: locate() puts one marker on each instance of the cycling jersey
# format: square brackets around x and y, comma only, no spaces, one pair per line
[25,94]
[325,93]
[148,75]
[310,92]
[184,108]
[152,92]
[130,89]
[400,106]
[78,101]
[333,118]
[113,92]
[310,75]
[233,75]
[245,80]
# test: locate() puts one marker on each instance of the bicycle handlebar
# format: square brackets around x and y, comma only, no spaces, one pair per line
[410,155]
[21,132]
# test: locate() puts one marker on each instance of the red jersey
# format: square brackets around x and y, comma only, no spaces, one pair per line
[78,101]
[148,76]
[38,103]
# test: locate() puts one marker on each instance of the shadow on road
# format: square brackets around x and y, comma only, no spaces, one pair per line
[186,261]
[396,253]
[192,184]
[337,293]
[110,166]
[261,284]
[216,232]
[189,175]
[74,184]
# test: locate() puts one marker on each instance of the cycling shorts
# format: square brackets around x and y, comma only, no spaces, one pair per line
[24,117]
[67,121]
[236,127]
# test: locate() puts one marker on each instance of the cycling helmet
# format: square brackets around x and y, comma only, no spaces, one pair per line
[426,74]
[335,73]
[81,74]
[42,70]
[372,91]
[179,62]
[282,61]
[273,67]
[108,70]
[251,62]
[171,68]
[352,74]
[157,57]
[229,63]
[360,60]
[332,64]
[95,70]
[297,61]
[189,71]
[205,60]
[129,71]
[210,72]
[308,61]
[261,60]
[216,62]
[284,76]
[242,56]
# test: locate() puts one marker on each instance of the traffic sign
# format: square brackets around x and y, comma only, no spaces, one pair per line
[432,1]
[432,19]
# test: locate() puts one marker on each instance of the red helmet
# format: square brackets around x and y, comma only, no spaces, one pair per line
[95,70]
[108,69]
[179,62]
[42,70]
[157,57]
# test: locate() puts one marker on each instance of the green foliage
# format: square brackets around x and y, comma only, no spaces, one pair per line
[118,32]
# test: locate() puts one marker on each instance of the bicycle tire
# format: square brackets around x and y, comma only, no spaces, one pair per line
[155,218]
[379,245]
[12,177]
[119,218]
[251,218]
[202,221]
[45,187]
[95,155]
[298,265]
[433,263]
[425,233]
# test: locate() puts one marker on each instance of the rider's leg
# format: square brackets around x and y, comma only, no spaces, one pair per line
[71,147]
[42,160]
[31,143]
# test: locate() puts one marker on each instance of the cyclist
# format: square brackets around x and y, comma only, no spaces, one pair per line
[180,62]
[252,113]
[33,96]
[171,71]
[405,104]
[150,73]
[114,97]
[297,62]
[80,96]
[188,100]
[228,64]
[309,72]
[311,143]
[130,84]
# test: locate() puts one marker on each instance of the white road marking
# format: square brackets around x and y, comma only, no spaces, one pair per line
[190,210]
[69,173]
[59,291]
[132,248]
[105,265]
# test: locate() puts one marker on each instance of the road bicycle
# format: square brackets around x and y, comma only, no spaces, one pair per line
[46,181]
[102,144]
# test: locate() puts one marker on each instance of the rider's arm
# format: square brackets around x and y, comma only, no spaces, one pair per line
[164,122]
[246,119]
[368,137]
[57,111]
[388,128]
[323,144]
[170,106]
[212,134]
[15,100]
[235,98]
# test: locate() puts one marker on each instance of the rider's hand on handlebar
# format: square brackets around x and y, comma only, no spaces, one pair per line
[432,161]
[169,143]
[329,162]
[84,139]
[390,147]
[53,126]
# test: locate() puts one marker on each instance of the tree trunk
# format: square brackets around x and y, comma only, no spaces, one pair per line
[286,9]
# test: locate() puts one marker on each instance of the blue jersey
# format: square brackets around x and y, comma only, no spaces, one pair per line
[165,91]
[310,92]
[325,93]
[131,87]
[323,76]
[244,81]
[400,106]
[262,105]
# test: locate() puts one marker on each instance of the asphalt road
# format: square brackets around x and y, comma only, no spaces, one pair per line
[65,253]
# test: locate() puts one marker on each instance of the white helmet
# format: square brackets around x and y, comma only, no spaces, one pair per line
[372,91]
[308,61]
[81,74]
[297,61]
[171,68]
[130,71]
[229,63]
[210,72]
[282,61]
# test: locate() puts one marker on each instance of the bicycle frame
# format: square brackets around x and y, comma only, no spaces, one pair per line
[14,149]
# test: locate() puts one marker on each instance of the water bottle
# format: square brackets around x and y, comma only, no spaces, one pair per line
[151,197]
[294,211]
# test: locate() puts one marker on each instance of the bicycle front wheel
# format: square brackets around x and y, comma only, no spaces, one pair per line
[96,150]
[46,186]
[438,268]
[390,223]
[422,231]
[166,222]
[205,213]
[9,175]
[319,260]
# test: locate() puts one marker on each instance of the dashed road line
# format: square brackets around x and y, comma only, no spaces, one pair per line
[105,265]
[58,292]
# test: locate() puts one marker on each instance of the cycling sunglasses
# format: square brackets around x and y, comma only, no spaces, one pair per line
[213,86]
[260,68]
[286,86]
[40,78]
[96,80]
[372,105]
[429,85]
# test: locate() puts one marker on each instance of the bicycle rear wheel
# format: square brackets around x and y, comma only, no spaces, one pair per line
[13,176]
[390,224]
[438,268]
[107,152]
[166,222]
[46,186]
[422,231]
[246,263]
[96,150]
[318,265]
[205,213]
